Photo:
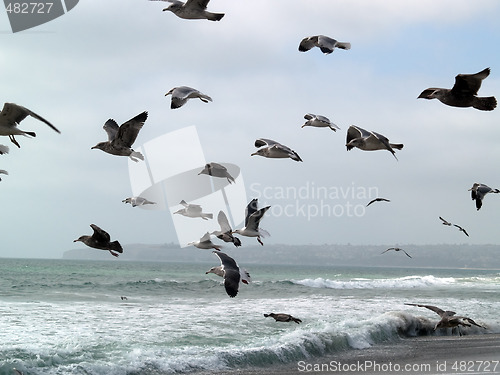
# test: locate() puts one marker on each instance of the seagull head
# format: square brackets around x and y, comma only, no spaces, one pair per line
[430,93]
[261,152]
[356,142]
[474,187]
[100,146]
[81,238]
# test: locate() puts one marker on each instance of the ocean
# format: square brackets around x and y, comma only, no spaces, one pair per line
[68,317]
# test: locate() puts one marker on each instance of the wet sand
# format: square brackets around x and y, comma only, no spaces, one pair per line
[474,354]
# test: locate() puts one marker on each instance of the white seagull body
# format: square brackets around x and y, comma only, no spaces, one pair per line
[205,243]
[478,191]
[231,273]
[369,141]
[274,150]
[10,117]
[252,220]
[324,43]
[192,10]
[319,121]
[193,210]
[181,94]
[137,201]
[217,170]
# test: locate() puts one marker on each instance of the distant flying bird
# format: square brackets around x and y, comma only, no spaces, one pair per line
[137,201]
[369,141]
[319,121]
[396,249]
[478,191]
[192,10]
[205,243]
[377,200]
[3,171]
[253,216]
[448,318]
[193,210]
[181,94]
[4,149]
[445,222]
[217,170]
[461,229]
[123,298]
[121,138]
[231,273]
[11,115]
[273,149]
[100,239]
[324,43]
[463,93]
[283,318]
[225,232]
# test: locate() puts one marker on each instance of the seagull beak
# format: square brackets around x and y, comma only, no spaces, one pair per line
[253,154]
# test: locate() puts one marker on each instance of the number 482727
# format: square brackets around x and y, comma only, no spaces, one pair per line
[26,8]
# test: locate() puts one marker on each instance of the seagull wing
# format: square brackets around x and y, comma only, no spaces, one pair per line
[437,310]
[205,238]
[197,4]
[13,114]
[469,84]
[127,133]
[356,132]
[326,44]
[218,166]
[265,142]
[255,218]
[223,222]
[385,142]
[99,234]
[309,116]
[231,273]
[445,222]
[111,127]
[251,208]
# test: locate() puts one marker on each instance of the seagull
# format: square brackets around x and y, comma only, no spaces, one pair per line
[121,138]
[3,171]
[369,141]
[448,318]
[100,239]
[324,43]
[461,229]
[217,170]
[319,121]
[193,210]
[478,191]
[11,115]
[283,318]
[445,222]
[123,298]
[192,10]
[252,220]
[231,273]
[463,93]
[377,200]
[137,201]
[4,149]
[273,149]
[225,232]
[205,243]
[181,94]
[396,249]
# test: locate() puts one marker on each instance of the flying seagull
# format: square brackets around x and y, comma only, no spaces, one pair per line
[231,273]
[225,232]
[319,121]
[369,141]
[377,200]
[193,210]
[121,138]
[192,10]
[3,171]
[181,94]
[283,318]
[445,222]
[205,243]
[478,191]
[463,93]
[273,149]
[324,43]
[137,201]
[461,229]
[396,249]
[253,216]
[448,318]
[11,115]
[3,150]
[100,239]
[217,170]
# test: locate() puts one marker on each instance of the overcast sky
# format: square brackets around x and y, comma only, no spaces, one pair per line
[117,58]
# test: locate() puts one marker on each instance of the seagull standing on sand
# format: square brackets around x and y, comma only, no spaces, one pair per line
[448,318]
[205,243]
[181,94]
[121,138]
[324,43]
[273,149]
[396,249]
[377,200]
[100,239]
[369,141]
[319,121]
[283,318]
[225,232]
[137,201]
[478,191]
[217,170]
[463,93]
[193,210]
[11,115]
[253,216]
[192,10]
[231,273]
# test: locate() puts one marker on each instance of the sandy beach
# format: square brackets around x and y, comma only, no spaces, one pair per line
[474,354]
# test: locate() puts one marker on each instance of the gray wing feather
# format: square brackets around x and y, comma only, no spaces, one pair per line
[127,133]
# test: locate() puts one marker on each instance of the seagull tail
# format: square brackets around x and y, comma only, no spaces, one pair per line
[485,104]
[136,154]
[397,146]
[215,16]
[296,320]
